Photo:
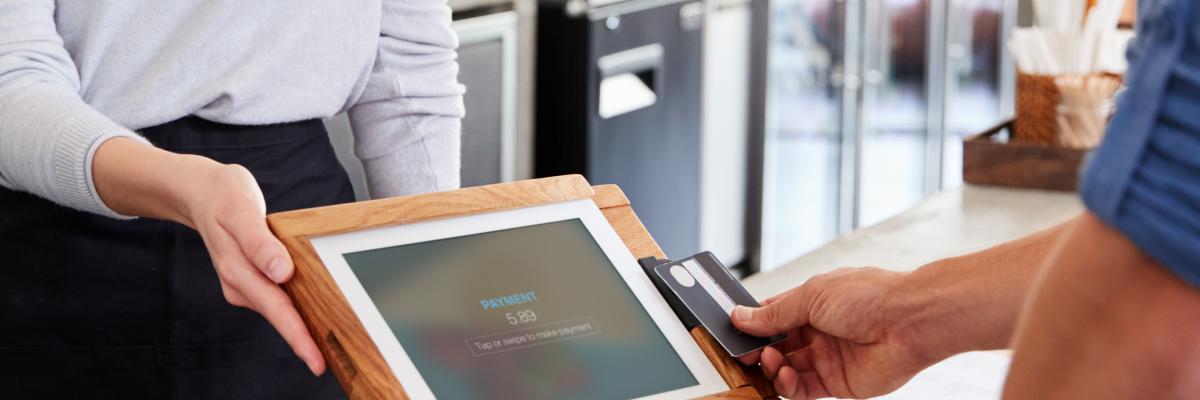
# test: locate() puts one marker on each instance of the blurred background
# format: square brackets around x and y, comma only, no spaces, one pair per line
[793,137]
[758,129]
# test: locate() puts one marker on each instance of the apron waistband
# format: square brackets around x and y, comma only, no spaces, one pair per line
[195,133]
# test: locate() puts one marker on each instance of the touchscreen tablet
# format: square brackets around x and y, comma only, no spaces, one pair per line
[543,302]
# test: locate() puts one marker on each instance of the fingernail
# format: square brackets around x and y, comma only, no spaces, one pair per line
[743,313]
[779,389]
[309,362]
[277,270]
[312,368]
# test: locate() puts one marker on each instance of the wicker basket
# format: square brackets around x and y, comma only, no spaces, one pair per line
[1043,109]
[1037,110]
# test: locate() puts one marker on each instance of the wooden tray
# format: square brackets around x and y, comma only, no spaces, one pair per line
[989,162]
[350,353]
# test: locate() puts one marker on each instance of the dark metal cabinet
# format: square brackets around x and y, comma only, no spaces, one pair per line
[598,70]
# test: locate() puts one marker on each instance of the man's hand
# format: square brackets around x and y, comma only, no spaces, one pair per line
[224,204]
[845,336]
[865,332]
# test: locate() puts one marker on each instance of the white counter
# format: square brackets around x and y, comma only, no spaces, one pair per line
[950,223]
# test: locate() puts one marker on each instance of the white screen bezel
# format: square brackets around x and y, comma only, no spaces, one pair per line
[331,249]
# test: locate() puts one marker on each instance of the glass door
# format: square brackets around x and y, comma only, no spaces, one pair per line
[803,138]
[978,75]
[895,120]
[867,105]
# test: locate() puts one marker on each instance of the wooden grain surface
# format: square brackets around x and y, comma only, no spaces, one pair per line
[349,351]
[987,162]
[745,393]
[408,209]
[616,208]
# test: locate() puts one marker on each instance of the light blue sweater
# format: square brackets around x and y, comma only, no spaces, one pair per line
[76,73]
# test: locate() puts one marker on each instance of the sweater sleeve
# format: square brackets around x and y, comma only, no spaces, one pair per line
[407,122]
[48,135]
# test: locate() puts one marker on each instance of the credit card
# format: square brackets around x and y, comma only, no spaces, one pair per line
[710,292]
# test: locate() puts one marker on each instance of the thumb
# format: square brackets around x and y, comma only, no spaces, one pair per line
[245,218]
[785,313]
[260,246]
[268,255]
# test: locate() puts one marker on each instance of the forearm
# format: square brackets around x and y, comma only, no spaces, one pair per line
[407,123]
[430,163]
[972,302]
[137,179]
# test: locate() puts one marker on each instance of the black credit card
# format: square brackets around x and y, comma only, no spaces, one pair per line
[710,292]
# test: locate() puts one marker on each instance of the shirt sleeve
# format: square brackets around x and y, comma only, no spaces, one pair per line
[48,135]
[1144,180]
[407,122]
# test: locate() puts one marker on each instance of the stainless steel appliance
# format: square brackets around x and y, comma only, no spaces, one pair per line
[726,128]
[487,59]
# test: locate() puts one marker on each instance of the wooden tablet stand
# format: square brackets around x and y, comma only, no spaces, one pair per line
[349,351]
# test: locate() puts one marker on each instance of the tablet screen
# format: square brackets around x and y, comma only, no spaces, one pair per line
[535,312]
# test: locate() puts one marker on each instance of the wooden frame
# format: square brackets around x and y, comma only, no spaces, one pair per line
[350,352]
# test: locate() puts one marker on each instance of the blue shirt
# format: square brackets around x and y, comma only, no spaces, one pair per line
[1144,179]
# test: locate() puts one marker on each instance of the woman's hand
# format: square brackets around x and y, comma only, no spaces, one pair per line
[230,215]
[845,336]
[224,204]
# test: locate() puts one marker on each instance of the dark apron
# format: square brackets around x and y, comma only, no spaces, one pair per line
[92,307]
